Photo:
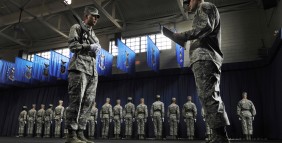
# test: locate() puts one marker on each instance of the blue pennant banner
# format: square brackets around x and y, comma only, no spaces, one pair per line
[104,62]
[40,69]
[126,58]
[58,65]
[179,55]
[7,70]
[153,55]
[23,70]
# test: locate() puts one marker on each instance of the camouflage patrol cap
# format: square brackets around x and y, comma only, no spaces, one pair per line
[50,105]
[91,10]
[24,107]
[173,99]
[129,98]
[158,96]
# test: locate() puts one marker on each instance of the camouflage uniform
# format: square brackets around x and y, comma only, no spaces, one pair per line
[173,115]
[22,121]
[189,113]
[58,116]
[206,60]
[128,114]
[82,78]
[64,119]
[117,120]
[246,112]
[157,114]
[92,122]
[106,116]
[208,129]
[48,117]
[31,116]
[141,115]
[39,121]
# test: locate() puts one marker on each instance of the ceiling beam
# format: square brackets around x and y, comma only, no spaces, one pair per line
[13,39]
[53,8]
[100,8]
[180,5]
[41,20]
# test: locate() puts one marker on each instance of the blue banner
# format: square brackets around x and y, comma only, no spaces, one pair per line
[58,65]
[104,61]
[179,55]
[7,70]
[23,70]
[126,58]
[153,55]
[40,69]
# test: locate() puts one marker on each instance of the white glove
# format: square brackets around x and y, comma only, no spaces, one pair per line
[96,47]
[133,120]
[163,119]
[110,120]
[145,120]
[195,120]
[253,118]
[240,119]
[185,120]
[152,120]
[61,120]
[95,122]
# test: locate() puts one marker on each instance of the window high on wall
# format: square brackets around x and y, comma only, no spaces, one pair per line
[139,44]
[47,54]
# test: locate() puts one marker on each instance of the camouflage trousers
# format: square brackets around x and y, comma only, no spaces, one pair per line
[141,126]
[39,125]
[91,127]
[128,126]
[173,126]
[247,125]
[47,127]
[158,125]
[21,128]
[30,126]
[208,129]
[117,124]
[57,127]
[190,126]
[105,126]
[82,92]
[207,77]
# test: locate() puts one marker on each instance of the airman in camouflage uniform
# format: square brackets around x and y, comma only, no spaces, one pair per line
[206,60]
[141,115]
[83,76]
[40,120]
[189,113]
[106,115]
[22,121]
[92,121]
[31,116]
[128,114]
[48,120]
[208,129]
[246,111]
[117,111]
[157,114]
[58,116]
[173,115]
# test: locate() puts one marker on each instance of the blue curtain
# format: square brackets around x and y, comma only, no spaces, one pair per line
[23,70]
[153,55]
[179,55]
[59,65]
[40,69]
[126,58]
[7,70]
[104,62]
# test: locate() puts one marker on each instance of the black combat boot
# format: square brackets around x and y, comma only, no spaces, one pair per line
[81,136]
[72,137]
[219,136]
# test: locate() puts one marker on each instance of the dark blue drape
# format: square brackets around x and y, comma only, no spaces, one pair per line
[153,55]
[59,65]
[125,58]
[179,54]
[104,61]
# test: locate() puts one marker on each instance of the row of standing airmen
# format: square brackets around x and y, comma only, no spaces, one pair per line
[245,110]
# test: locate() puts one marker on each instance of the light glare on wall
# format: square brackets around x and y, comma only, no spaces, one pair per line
[68,1]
